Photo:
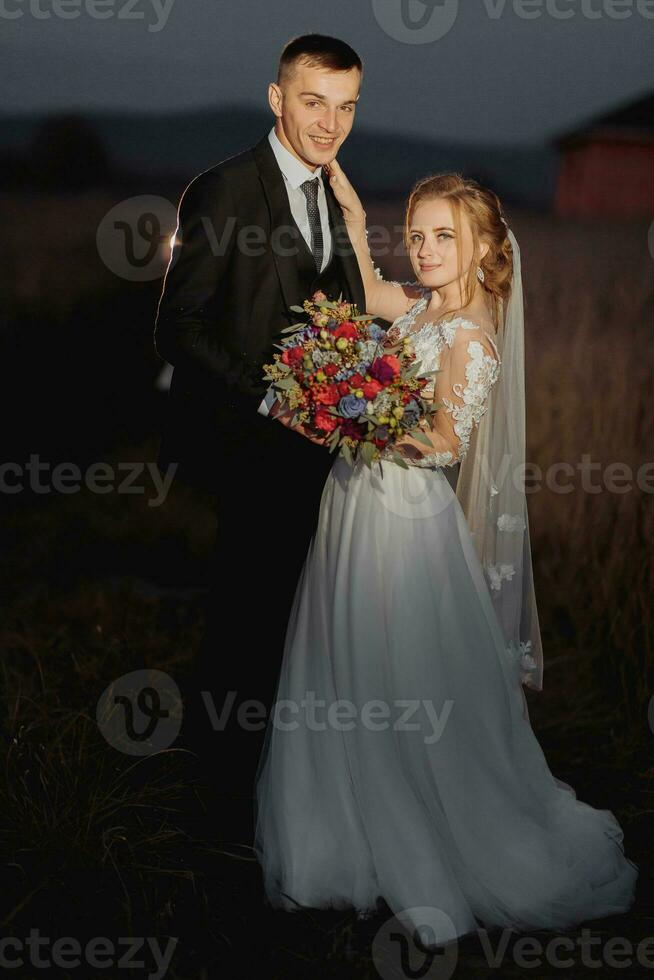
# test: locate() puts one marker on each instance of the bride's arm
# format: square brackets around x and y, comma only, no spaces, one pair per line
[384,299]
[462,387]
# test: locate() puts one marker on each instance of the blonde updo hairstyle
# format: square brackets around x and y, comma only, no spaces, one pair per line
[487,224]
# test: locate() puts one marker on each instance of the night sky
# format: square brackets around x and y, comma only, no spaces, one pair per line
[494,75]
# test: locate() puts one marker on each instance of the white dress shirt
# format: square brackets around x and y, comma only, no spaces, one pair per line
[295,173]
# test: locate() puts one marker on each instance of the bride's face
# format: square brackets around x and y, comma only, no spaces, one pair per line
[434,247]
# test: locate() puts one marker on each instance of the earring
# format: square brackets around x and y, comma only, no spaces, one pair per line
[480,274]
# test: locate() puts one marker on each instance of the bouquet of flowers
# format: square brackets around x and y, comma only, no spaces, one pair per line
[346,385]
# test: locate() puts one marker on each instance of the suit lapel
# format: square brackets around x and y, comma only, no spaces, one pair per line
[285,252]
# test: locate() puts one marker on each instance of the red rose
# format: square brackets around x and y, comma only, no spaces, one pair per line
[323,420]
[356,380]
[393,363]
[295,354]
[343,388]
[385,369]
[346,329]
[326,394]
[330,370]
[371,389]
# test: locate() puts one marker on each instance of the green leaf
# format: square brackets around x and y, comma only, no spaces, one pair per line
[297,309]
[367,450]
[420,436]
[347,453]
[400,461]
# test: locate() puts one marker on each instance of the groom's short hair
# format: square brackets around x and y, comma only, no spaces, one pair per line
[318,51]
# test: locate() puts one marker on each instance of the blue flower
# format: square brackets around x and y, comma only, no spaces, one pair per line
[411,415]
[350,407]
[376,332]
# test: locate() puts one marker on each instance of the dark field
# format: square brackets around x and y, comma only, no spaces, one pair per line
[95,585]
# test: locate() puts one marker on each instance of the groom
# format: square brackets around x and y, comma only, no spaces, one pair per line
[257,234]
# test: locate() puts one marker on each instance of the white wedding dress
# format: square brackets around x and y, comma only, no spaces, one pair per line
[399,761]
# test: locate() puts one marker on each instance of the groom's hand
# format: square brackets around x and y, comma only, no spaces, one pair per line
[284,415]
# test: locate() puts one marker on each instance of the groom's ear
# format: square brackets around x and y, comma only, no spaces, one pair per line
[275,99]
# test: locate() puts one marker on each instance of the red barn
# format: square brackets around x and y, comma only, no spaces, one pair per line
[607,168]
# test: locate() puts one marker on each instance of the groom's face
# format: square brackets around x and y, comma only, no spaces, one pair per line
[315,112]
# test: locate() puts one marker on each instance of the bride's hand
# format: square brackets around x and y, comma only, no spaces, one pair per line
[408,451]
[407,447]
[344,193]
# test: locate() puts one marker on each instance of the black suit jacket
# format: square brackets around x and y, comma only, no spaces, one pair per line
[239,262]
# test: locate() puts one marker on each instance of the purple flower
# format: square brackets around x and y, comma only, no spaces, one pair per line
[382,371]
[352,429]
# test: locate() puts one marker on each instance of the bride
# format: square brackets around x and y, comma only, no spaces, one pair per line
[399,762]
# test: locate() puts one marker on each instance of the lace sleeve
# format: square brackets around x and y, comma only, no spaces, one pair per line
[469,367]
[417,290]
